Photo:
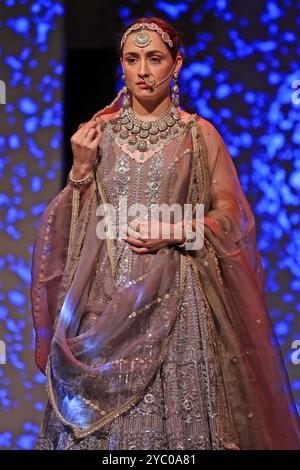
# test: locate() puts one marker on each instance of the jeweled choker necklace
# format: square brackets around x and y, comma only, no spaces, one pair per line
[145,135]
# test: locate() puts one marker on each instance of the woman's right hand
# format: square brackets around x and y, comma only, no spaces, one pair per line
[84,145]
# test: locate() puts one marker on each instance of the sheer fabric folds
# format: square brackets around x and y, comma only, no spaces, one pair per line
[104,316]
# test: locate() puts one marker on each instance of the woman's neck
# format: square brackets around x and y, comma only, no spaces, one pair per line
[150,111]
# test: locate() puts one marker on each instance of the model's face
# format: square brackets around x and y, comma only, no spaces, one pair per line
[153,61]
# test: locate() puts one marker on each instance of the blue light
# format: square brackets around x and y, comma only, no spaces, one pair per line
[223,91]
[13,62]
[36,183]
[265,46]
[33,63]
[16,298]
[261,66]
[34,150]
[58,9]
[5,439]
[25,442]
[228,16]
[11,325]
[295,384]
[227,53]
[274,78]
[28,105]
[289,36]
[203,109]
[20,25]
[31,124]
[59,69]
[30,427]
[35,8]
[21,171]
[281,328]
[39,406]
[124,12]
[246,139]
[226,113]
[16,362]
[196,69]
[197,18]
[294,179]
[296,136]
[244,22]
[249,97]
[42,30]
[173,11]
[274,11]
[9,108]
[3,312]
[233,150]
[39,378]
[14,141]
[51,174]
[14,214]
[38,209]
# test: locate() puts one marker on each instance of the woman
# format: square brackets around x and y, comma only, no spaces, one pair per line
[147,342]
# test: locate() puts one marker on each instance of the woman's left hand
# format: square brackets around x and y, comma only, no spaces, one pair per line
[140,240]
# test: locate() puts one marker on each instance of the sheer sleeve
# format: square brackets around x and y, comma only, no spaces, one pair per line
[229,264]
[49,258]
[229,224]
[50,253]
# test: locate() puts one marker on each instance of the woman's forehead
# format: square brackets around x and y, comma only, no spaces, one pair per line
[156,42]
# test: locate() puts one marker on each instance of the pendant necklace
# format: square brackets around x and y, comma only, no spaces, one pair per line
[141,135]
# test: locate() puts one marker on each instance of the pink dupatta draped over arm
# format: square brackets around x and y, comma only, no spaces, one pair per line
[259,395]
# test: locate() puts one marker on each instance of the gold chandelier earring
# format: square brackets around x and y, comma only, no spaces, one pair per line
[175,91]
[126,99]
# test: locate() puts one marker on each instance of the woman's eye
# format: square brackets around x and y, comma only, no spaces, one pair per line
[156,60]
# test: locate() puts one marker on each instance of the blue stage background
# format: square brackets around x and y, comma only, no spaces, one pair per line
[241,62]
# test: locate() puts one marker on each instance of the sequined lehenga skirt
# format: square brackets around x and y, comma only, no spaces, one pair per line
[181,408]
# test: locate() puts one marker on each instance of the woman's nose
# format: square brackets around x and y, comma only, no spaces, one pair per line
[143,68]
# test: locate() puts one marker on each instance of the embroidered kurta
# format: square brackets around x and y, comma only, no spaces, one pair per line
[172,349]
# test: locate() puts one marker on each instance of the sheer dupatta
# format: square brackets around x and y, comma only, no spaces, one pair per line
[259,396]
[230,276]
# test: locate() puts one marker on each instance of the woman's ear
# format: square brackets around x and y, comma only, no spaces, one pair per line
[179,60]
[121,62]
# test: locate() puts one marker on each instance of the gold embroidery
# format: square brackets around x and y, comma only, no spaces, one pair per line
[74,217]
[110,248]
[41,275]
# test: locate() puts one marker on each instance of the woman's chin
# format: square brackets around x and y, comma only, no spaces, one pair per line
[146,95]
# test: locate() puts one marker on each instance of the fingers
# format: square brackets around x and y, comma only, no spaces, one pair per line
[87,136]
[84,130]
[140,251]
[90,136]
[88,130]
[133,233]
[134,242]
[93,144]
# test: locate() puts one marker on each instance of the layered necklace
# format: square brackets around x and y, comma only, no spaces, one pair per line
[146,135]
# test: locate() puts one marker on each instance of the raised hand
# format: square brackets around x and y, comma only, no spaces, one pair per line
[84,147]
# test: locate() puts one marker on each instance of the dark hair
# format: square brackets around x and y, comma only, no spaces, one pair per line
[174,34]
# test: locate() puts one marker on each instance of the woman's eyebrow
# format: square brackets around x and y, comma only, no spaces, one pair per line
[136,54]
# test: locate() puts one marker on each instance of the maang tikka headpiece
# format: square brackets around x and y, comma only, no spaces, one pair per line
[142,38]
